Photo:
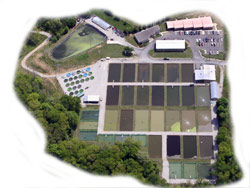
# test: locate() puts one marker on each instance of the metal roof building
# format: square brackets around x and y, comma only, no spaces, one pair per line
[214,90]
[98,21]
[193,23]
[143,36]
[207,72]
[170,45]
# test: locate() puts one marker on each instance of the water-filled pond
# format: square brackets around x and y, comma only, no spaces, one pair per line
[82,39]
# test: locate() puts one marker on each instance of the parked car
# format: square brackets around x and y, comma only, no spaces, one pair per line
[165,58]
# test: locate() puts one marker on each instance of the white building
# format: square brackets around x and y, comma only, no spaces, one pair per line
[214,90]
[98,21]
[170,45]
[207,72]
[91,99]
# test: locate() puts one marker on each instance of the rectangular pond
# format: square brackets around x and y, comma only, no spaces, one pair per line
[126,120]
[173,96]
[172,72]
[190,147]
[128,72]
[127,95]
[173,146]
[187,72]
[188,97]
[155,146]
[112,95]
[142,95]
[206,147]
[158,72]
[157,95]
[114,72]
[203,96]
[143,72]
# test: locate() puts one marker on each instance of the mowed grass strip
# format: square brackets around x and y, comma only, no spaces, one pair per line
[111,120]
[141,120]
[157,120]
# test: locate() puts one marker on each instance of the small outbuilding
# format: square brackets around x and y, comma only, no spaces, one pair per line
[170,45]
[91,99]
[214,90]
[143,36]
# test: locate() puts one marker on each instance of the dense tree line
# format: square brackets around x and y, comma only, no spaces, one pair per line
[226,168]
[57,27]
[59,117]
[117,159]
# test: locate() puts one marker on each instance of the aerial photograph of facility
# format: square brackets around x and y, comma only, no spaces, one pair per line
[118,98]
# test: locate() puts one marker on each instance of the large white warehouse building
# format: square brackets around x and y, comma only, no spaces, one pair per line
[170,45]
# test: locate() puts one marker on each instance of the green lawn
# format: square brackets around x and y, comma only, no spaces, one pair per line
[186,54]
[131,40]
[220,56]
[218,74]
[85,58]
[163,26]
[122,24]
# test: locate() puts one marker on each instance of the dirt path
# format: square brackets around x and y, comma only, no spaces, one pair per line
[24,60]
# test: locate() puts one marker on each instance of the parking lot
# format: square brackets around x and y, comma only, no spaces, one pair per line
[209,41]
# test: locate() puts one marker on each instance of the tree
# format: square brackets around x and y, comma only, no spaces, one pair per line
[71,103]
[127,51]
[69,22]
[73,119]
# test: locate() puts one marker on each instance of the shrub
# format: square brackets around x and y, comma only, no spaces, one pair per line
[72,83]
[79,86]
[74,87]
[92,78]
[65,80]
[78,72]
[71,93]
[108,13]
[80,76]
[69,89]
[76,92]
[70,79]
[87,79]
[67,85]
[90,73]
[81,90]
[77,82]
[75,77]
[116,18]
[82,80]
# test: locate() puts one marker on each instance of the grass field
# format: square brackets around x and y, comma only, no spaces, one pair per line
[28,48]
[111,120]
[157,120]
[88,125]
[141,120]
[220,56]
[130,38]
[186,54]
[82,39]
[122,24]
